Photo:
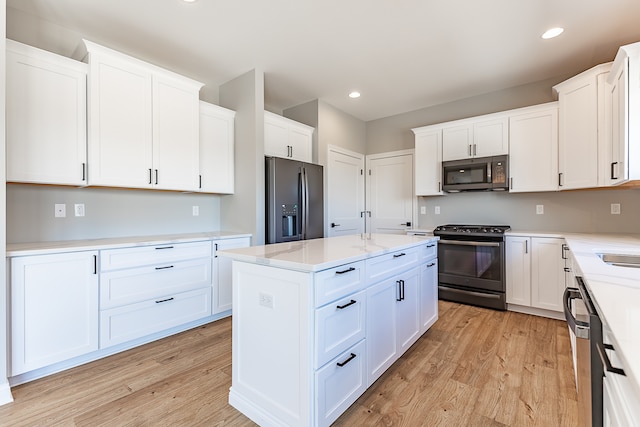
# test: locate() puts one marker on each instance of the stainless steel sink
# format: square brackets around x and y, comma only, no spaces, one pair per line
[621,260]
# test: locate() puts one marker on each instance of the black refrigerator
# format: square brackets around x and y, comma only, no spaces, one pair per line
[294,200]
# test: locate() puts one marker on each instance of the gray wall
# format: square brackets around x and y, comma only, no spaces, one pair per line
[245,210]
[108,213]
[568,211]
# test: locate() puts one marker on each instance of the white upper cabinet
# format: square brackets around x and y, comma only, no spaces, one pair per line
[624,87]
[428,161]
[578,129]
[287,138]
[143,124]
[478,137]
[216,149]
[533,149]
[46,117]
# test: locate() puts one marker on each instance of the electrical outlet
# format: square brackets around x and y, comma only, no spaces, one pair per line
[423,210]
[60,210]
[539,209]
[78,209]
[615,208]
[437,210]
[195,210]
[265,300]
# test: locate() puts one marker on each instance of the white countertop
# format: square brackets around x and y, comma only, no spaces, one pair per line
[41,248]
[615,291]
[321,254]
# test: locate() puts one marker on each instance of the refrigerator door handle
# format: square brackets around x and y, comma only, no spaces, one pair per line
[305,203]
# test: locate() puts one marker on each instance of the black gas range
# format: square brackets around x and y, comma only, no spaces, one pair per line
[471,264]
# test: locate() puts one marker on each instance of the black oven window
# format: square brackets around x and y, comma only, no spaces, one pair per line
[481,262]
[466,175]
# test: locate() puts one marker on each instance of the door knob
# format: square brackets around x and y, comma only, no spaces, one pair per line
[333,224]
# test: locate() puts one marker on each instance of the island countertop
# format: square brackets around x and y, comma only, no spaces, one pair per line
[321,254]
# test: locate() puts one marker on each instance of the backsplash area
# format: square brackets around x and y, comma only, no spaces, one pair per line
[108,213]
[569,211]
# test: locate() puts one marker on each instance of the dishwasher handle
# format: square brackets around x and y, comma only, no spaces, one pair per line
[579,328]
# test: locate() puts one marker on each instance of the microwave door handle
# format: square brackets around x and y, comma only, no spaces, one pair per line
[489,172]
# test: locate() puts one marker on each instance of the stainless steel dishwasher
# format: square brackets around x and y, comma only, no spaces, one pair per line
[584,322]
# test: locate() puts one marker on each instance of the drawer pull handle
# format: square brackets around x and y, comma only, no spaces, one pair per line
[399,255]
[164,247]
[349,359]
[164,300]
[164,268]
[340,307]
[430,246]
[346,271]
[431,265]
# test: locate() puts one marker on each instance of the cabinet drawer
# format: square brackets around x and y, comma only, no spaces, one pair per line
[113,259]
[121,324]
[387,265]
[428,251]
[337,282]
[337,387]
[338,326]
[138,284]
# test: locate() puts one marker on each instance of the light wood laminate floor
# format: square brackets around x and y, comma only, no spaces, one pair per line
[474,367]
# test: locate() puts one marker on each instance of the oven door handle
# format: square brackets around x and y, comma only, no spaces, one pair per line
[466,292]
[579,328]
[465,243]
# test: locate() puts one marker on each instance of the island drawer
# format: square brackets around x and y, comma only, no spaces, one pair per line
[337,282]
[387,265]
[428,251]
[120,287]
[340,383]
[338,326]
[136,256]
[129,322]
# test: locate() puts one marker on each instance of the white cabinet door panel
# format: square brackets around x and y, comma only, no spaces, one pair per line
[491,137]
[457,142]
[408,320]
[217,142]
[518,261]
[428,163]
[222,269]
[547,273]
[428,294]
[382,342]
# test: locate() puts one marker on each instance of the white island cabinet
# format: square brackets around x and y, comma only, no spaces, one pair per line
[316,322]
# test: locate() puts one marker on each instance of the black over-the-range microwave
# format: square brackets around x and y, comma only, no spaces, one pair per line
[482,173]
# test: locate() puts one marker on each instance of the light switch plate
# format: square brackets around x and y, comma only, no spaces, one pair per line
[78,209]
[423,210]
[539,209]
[195,210]
[437,210]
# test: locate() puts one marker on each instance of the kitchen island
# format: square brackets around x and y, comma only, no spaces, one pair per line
[316,322]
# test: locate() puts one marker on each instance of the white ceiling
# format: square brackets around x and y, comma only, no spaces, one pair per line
[401,54]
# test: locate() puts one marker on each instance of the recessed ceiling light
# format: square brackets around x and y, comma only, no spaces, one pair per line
[553,32]
[189,1]
[354,94]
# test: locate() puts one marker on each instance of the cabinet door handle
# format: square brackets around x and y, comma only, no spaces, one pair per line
[164,247]
[605,358]
[215,249]
[612,168]
[526,246]
[346,271]
[349,359]
[511,183]
[429,246]
[565,248]
[475,152]
[399,255]
[84,171]
[340,307]
[402,289]
[164,300]
[560,179]
[156,176]
[199,181]
[164,268]
[398,291]
[431,265]
[95,264]
[567,270]
[150,176]
[469,150]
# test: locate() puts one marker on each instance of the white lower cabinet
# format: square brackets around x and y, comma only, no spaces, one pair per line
[621,402]
[340,383]
[535,273]
[222,292]
[54,309]
[428,294]
[128,322]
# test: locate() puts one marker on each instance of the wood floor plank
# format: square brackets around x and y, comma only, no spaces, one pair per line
[474,367]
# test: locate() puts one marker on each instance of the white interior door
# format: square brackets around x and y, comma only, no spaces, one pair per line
[345,176]
[390,195]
